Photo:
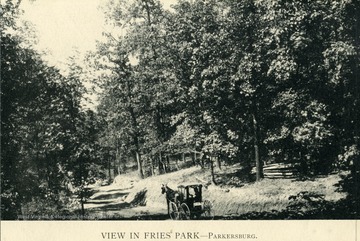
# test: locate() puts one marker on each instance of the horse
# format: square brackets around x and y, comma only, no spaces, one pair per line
[170,194]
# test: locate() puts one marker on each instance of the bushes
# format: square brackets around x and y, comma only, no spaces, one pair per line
[46,208]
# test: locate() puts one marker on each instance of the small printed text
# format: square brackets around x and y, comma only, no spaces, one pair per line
[175,235]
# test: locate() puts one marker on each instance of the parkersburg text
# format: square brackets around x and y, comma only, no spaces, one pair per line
[231,236]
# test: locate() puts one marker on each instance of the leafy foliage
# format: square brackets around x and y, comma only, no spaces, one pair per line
[245,81]
[43,129]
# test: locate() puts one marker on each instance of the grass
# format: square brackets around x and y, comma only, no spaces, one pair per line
[267,195]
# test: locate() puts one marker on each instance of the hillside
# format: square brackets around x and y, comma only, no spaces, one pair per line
[128,196]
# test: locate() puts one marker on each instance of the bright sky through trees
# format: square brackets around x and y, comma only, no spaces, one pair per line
[63,25]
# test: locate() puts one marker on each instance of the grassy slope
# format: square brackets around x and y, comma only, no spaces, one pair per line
[266,195]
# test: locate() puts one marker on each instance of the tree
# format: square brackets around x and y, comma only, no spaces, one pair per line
[220,70]
[298,39]
[146,89]
[40,115]
[249,80]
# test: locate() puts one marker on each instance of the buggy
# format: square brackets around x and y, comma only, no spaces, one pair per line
[188,203]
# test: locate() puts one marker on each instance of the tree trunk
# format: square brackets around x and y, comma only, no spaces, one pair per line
[212,171]
[82,209]
[202,163]
[116,169]
[139,164]
[152,166]
[162,163]
[117,161]
[177,164]
[303,165]
[168,163]
[109,169]
[259,166]
[194,158]
[135,125]
[218,162]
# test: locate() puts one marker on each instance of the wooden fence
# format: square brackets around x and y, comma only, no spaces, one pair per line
[280,170]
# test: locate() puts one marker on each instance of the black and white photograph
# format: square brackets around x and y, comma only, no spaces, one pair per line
[184,111]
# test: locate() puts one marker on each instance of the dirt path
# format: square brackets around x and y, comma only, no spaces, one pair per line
[109,202]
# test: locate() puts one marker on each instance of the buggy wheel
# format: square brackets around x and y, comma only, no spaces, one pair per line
[184,211]
[174,212]
[207,211]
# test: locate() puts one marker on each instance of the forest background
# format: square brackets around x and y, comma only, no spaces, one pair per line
[249,82]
